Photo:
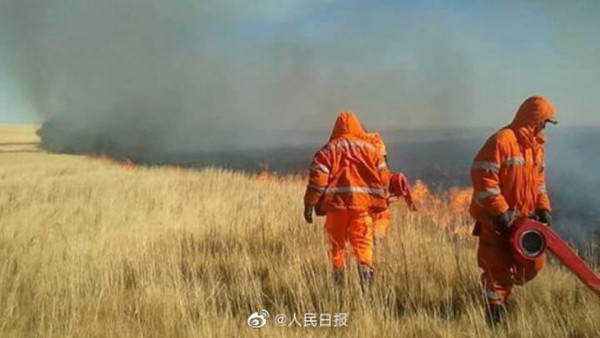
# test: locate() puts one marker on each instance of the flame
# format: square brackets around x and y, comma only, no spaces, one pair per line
[420,192]
[102,157]
[447,209]
[265,174]
[460,199]
[128,164]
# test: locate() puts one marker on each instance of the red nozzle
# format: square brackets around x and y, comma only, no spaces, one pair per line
[400,187]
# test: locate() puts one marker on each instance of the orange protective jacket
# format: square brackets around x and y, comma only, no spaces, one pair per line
[349,172]
[398,182]
[508,173]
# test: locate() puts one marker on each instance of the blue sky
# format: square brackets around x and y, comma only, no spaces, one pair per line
[420,64]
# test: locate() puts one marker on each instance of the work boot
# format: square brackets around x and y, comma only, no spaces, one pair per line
[338,277]
[495,314]
[365,273]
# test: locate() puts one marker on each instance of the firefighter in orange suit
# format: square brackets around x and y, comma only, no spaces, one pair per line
[381,220]
[508,176]
[348,182]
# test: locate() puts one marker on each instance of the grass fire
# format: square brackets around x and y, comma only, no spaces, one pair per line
[95,247]
[299,168]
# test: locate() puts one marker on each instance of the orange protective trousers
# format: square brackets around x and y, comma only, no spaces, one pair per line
[355,227]
[500,269]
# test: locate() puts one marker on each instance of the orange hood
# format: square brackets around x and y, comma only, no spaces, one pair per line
[347,125]
[533,111]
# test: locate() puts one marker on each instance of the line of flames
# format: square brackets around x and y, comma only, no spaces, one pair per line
[454,202]
[126,163]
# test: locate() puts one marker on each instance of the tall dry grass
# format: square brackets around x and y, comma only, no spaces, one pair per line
[90,248]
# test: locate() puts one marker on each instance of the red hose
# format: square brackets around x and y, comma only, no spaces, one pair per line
[525,246]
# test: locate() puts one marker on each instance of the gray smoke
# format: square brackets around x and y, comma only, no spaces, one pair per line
[142,76]
[573,182]
[148,78]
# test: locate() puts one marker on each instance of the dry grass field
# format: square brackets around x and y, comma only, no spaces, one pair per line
[94,248]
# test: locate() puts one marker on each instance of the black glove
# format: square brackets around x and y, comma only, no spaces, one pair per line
[501,222]
[308,213]
[544,216]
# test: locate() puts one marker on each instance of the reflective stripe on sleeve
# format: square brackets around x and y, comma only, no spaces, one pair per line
[514,161]
[480,196]
[317,188]
[487,166]
[320,167]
